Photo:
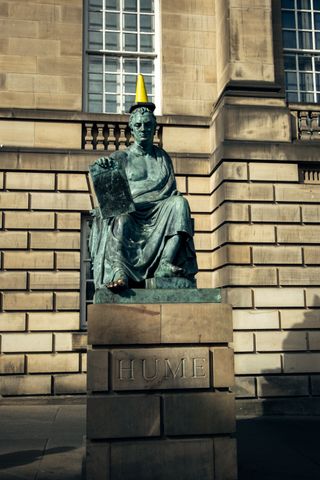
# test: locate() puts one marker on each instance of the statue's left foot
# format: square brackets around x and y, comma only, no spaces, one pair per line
[118,284]
[166,269]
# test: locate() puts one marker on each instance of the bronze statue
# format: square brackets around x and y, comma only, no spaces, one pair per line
[153,236]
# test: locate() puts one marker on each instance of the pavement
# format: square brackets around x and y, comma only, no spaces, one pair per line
[41,442]
[46,442]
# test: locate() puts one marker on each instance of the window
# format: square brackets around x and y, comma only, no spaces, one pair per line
[121,42]
[301,42]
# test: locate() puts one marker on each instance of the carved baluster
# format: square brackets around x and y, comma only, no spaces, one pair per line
[129,139]
[122,136]
[159,136]
[304,126]
[315,127]
[88,136]
[117,136]
[156,136]
[111,137]
[100,137]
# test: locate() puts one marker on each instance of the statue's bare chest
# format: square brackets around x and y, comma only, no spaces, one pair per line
[142,168]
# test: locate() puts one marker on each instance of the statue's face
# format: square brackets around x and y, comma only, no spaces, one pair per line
[143,128]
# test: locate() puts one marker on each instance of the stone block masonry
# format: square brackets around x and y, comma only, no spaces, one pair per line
[237,161]
[40,277]
[159,404]
[41,61]
[262,250]
[273,283]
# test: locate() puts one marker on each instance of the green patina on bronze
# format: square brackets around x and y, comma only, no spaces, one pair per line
[143,227]
[158,295]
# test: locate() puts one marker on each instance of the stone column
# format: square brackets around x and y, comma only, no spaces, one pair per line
[159,399]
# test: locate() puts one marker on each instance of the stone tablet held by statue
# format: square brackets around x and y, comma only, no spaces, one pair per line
[112,189]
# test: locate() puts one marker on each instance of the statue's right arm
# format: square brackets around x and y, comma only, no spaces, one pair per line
[105,162]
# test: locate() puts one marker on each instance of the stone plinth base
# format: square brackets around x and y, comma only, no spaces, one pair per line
[159,400]
[158,295]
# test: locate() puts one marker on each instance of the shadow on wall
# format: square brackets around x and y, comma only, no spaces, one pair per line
[297,382]
[272,447]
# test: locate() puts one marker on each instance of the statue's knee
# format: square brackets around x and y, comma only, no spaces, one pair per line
[180,204]
[121,223]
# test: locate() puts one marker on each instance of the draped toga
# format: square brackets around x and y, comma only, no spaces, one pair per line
[133,243]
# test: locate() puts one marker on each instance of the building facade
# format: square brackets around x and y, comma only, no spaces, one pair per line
[236,83]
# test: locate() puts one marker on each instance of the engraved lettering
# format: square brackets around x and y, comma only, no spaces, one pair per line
[197,367]
[160,368]
[126,372]
[146,363]
[169,370]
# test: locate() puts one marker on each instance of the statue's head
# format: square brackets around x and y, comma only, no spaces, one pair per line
[142,123]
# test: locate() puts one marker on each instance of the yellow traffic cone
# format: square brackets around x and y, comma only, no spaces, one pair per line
[141,92]
[141,99]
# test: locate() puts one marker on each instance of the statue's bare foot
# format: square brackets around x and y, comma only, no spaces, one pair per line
[119,283]
[166,269]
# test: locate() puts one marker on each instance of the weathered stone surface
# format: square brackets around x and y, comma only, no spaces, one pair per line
[255,319]
[199,414]
[172,282]
[10,322]
[34,260]
[160,368]
[27,301]
[53,321]
[278,297]
[245,387]
[69,384]
[11,364]
[140,295]
[123,324]
[277,172]
[163,460]
[277,341]
[223,367]
[32,220]
[277,386]
[98,370]
[315,382]
[123,416]
[56,363]
[26,342]
[62,342]
[67,300]
[98,461]
[13,240]
[198,323]
[301,362]
[25,385]
[243,342]
[251,363]
[225,458]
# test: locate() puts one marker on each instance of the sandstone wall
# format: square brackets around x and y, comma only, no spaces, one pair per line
[41,54]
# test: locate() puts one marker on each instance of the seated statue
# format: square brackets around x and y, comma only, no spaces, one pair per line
[155,237]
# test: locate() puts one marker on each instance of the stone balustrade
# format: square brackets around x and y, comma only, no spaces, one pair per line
[110,136]
[307,124]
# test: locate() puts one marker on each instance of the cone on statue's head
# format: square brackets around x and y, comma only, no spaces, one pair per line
[141,99]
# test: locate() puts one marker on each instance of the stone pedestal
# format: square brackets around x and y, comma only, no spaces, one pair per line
[159,400]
